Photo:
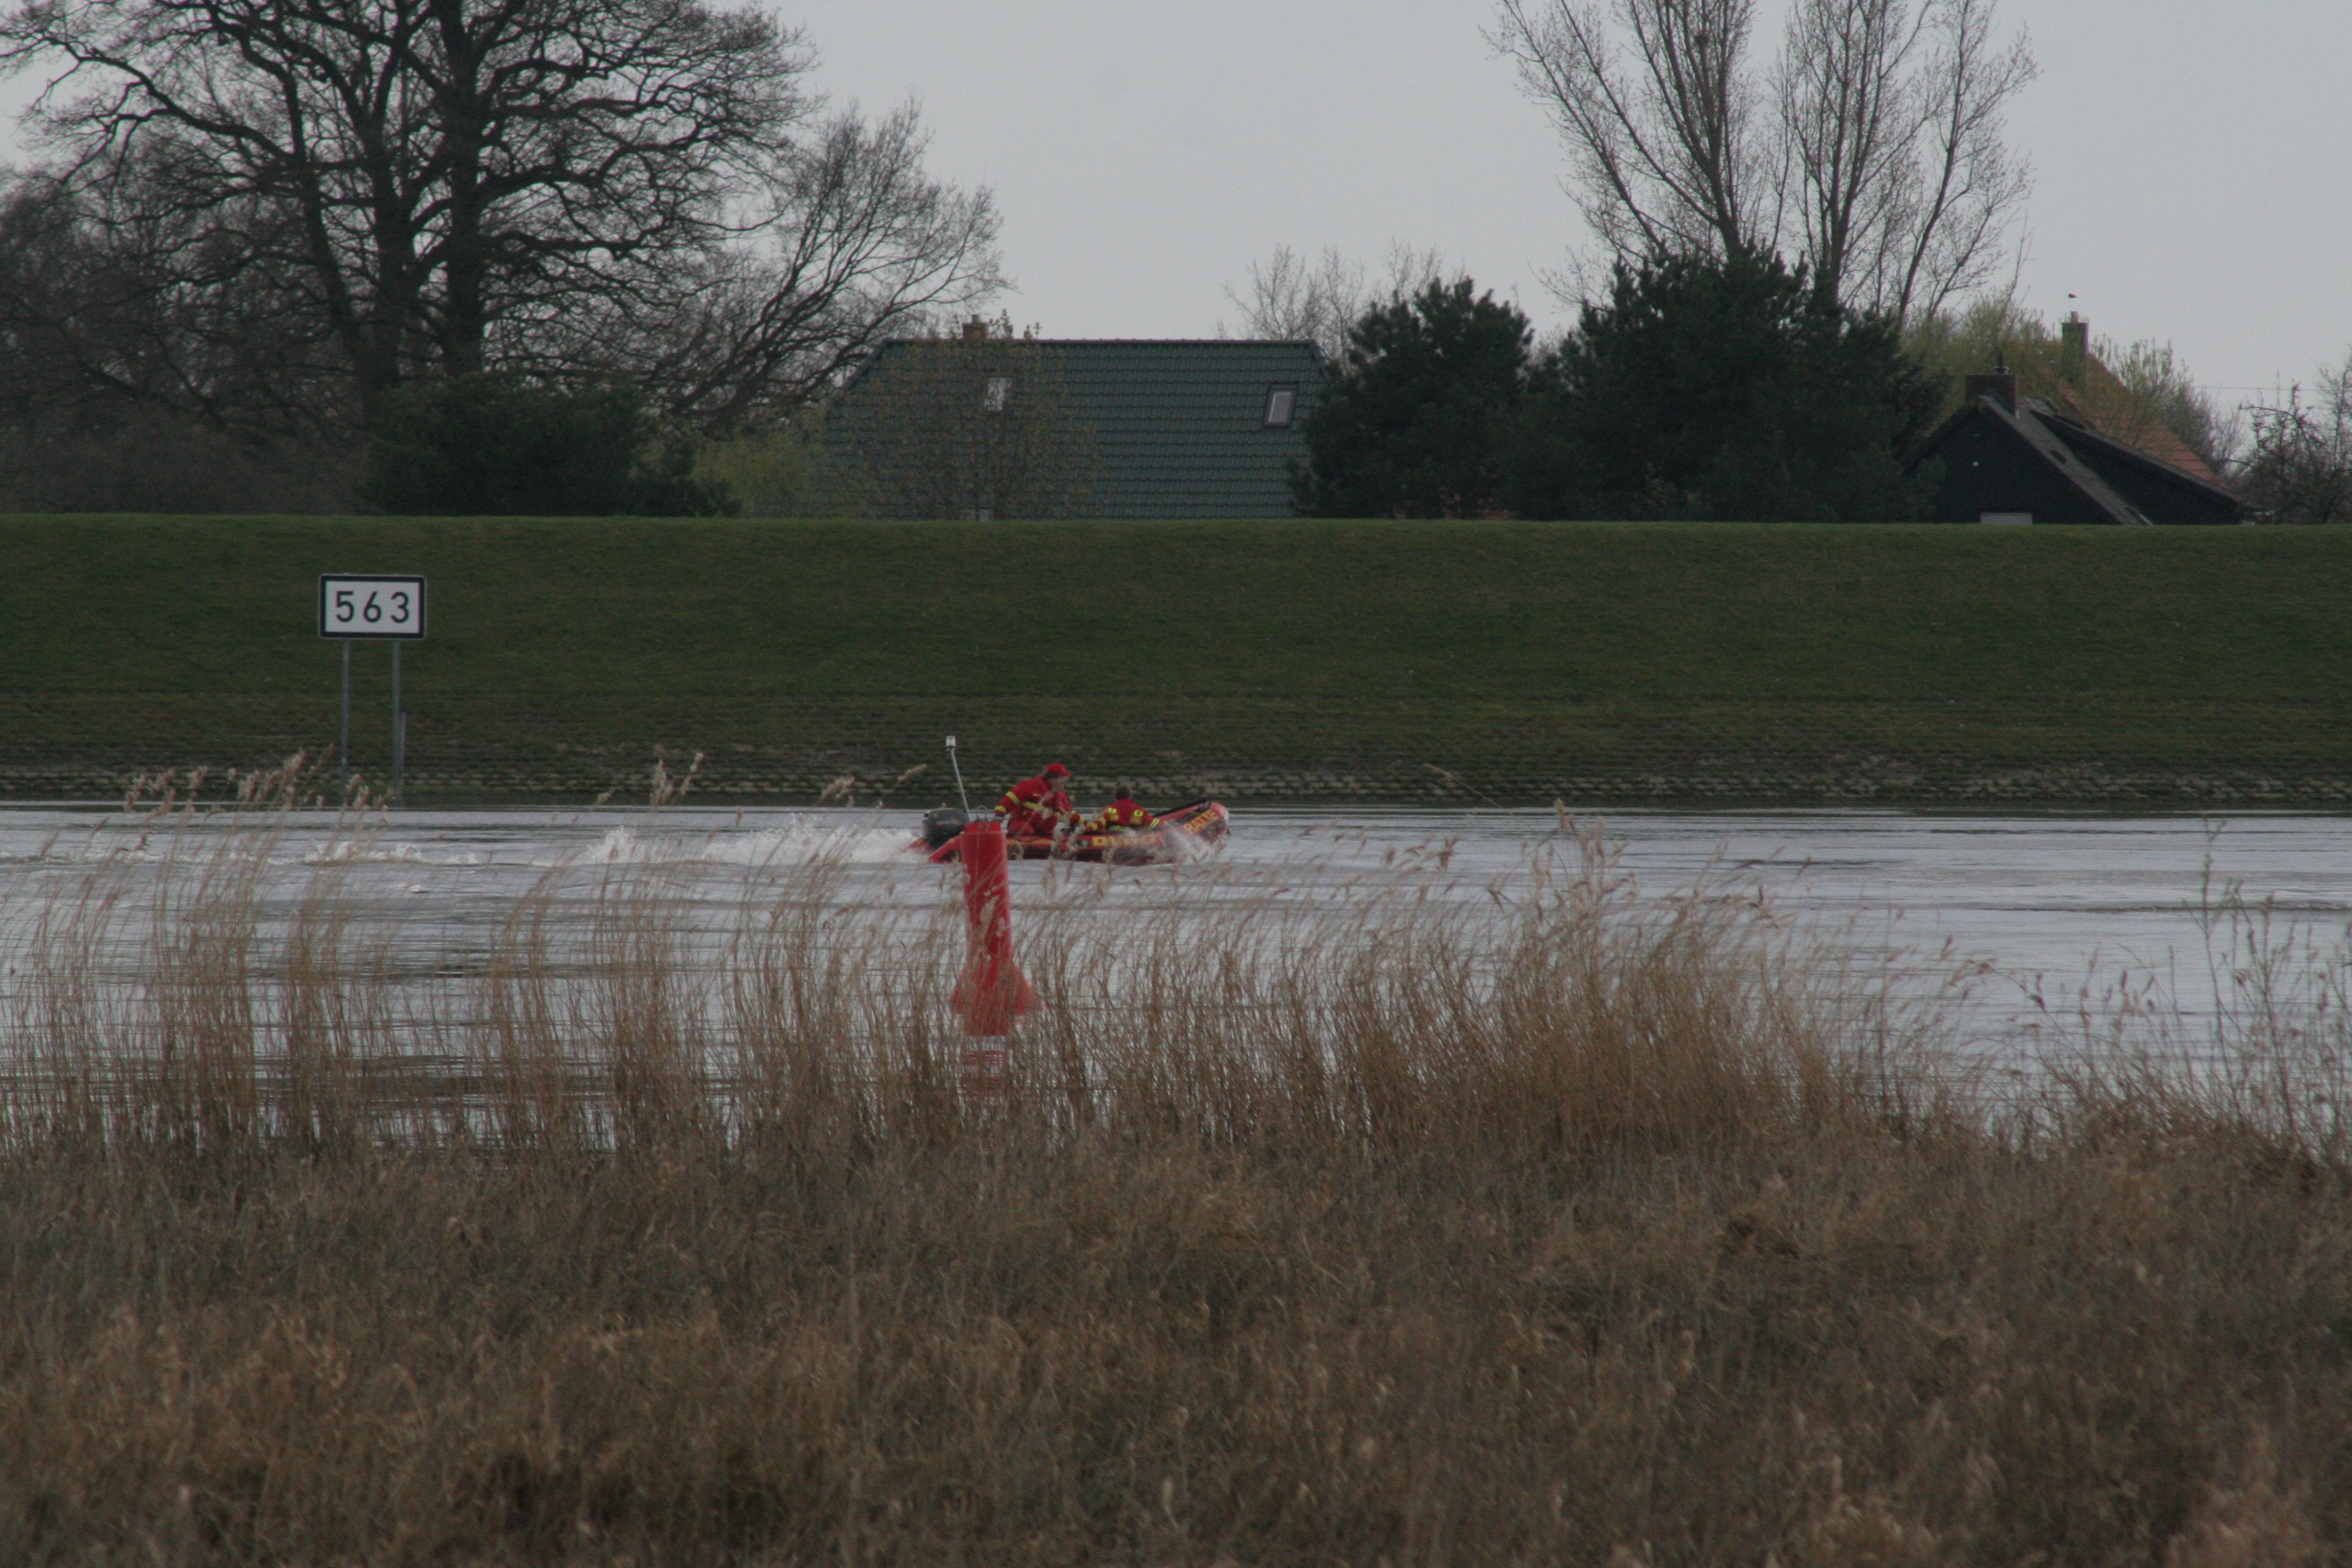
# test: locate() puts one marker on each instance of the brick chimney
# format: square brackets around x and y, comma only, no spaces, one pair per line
[2074,347]
[2000,384]
[975,330]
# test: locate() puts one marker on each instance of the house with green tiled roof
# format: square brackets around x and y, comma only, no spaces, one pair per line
[986,426]
[1193,428]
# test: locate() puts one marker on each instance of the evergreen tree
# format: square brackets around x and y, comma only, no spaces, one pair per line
[1722,389]
[1412,424]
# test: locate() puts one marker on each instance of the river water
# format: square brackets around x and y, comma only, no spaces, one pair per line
[2015,919]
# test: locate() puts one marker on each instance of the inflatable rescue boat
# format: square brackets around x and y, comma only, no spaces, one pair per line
[1174,836]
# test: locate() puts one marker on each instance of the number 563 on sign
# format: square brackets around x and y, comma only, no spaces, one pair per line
[371,606]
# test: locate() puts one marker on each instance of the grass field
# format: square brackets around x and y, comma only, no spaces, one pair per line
[1301,658]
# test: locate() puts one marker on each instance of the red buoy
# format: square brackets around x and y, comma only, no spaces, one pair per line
[993,991]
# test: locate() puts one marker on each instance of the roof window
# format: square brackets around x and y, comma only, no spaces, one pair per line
[1281,407]
[999,396]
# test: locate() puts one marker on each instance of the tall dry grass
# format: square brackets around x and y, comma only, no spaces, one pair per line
[658,1226]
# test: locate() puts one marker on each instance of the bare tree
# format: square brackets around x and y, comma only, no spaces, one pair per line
[1890,116]
[1659,108]
[143,370]
[459,184]
[448,163]
[109,299]
[2138,392]
[1873,151]
[1289,302]
[862,248]
[2299,469]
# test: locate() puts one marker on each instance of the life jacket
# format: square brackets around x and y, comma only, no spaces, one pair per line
[1123,815]
[1034,805]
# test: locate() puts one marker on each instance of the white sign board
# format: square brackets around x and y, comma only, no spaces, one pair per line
[372,607]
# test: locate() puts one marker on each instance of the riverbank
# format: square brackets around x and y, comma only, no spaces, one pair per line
[653,1240]
[991,1345]
[1298,660]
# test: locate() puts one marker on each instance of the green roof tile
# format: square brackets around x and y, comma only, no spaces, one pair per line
[1178,424]
[1179,427]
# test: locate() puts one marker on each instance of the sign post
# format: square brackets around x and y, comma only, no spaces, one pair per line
[373,609]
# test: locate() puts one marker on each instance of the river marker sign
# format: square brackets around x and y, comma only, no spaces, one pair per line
[372,607]
[386,609]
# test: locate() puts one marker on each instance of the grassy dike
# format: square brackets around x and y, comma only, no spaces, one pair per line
[1512,662]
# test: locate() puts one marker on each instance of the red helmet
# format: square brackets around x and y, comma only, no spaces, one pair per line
[1056,770]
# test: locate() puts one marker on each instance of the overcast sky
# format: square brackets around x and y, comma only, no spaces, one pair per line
[2193,158]
[2194,167]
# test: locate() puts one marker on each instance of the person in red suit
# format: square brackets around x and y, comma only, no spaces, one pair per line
[1035,808]
[1122,815]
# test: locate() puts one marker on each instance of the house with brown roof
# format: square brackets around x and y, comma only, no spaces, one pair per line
[2012,459]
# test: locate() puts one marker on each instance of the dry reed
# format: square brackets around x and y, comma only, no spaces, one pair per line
[657,1226]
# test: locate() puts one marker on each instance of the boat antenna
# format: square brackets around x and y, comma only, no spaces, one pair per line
[958,774]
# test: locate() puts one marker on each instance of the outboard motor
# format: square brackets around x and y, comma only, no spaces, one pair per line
[941,823]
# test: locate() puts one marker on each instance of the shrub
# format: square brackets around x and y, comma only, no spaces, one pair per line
[491,446]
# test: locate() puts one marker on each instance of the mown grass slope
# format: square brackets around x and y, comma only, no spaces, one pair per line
[1516,657]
